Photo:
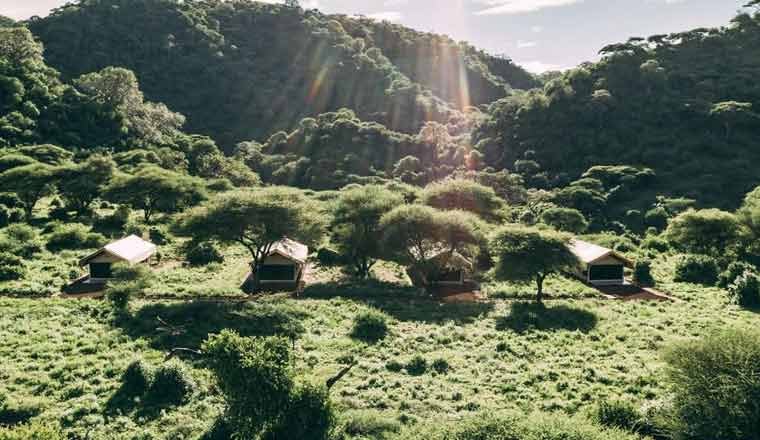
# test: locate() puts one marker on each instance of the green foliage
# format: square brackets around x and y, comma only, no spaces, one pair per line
[30,183]
[356,225]
[368,424]
[256,219]
[153,190]
[425,239]
[715,382]
[416,366]
[127,282]
[17,411]
[137,378]
[642,273]
[618,414]
[370,327]
[565,219]
[203,253]
[465,195]
[263,399]
[440,366]
[81,184]
[708,231]
[11,267]
[745,290]
[700,269]
[32,431]
[73,236]
[172,384]
[733,271]
[527,254]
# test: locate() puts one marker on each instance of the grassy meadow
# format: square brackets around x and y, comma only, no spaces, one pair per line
[63,359]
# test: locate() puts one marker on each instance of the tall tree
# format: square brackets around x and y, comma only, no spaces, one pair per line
[707,231]
[413,235]
[356,225]
[465,195]
[81,184]
[256,220]
[529,254]
[30,183]
[153,190]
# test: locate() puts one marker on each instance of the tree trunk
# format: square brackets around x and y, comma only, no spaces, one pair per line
[540,292]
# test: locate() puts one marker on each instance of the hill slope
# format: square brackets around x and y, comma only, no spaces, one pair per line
[242,70]
[684,104]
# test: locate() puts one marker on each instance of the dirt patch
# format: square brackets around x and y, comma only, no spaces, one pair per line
[632,292]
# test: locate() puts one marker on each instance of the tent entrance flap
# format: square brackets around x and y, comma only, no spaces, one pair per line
[606,272]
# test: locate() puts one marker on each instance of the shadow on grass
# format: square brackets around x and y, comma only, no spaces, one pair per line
[188,324]
[524,317]
[401,302]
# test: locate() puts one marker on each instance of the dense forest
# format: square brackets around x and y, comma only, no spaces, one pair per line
[437,206]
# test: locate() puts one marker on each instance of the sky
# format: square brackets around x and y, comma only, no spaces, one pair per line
[540,35]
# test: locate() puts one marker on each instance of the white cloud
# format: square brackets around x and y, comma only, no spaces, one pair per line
[522,44]
[498,7]
[536,66]
[386,15]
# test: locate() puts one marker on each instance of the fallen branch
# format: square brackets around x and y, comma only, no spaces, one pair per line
[333,380]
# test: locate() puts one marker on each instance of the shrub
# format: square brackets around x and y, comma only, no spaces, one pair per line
[158,235]
[21,233]
[716,384]
[203,253]
[73,236]
[734,271]
[394,366]
[369,424]
[417,366]
[120,295]
[657,218]
[655,243]
[440,366]
[642,273]
[137,378]
[172,384]
[565,219]
[745,290]
[617,414]
[698,269]
[32,431]
[308,416]
[11,267]
[13,413]
[370,326]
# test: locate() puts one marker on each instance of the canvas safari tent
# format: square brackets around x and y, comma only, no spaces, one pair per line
[450,269]
[283,269]
[129,250]
[599,265]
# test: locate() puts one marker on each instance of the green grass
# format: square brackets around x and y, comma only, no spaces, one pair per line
[66,357]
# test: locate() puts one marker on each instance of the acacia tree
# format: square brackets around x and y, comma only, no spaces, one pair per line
[81,184]
[30,183]
[413,234]
[463,194]
[528,254]
[356,225]
[153,189]
[707,231]
[256,220]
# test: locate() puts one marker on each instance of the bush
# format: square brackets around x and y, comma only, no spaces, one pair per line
[202,254]
[716,384]
[698,269]
[21,233]
[308,416]
[642,273]
[565,219]
[734,271]
[655,243]
[14,413]
[158,235]
[172,384]
[617,414]
[11,267]
[32,431]
[440,366]
[369,424]
[74,236]
[745,290]
[370,327]
[394,366]
[657,218]
[417,366]
[120,295]
[137,378]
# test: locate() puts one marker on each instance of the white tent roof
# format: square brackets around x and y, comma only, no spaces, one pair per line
[132,249]
[589,252]
[291,250]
